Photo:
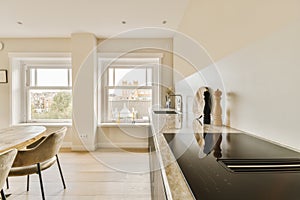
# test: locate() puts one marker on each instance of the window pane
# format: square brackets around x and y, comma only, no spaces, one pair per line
[130,94]
[52,77]
[50,104]
[149,76]
[70,77]
[138,101]
[111,77]
[130,76]
[32,77]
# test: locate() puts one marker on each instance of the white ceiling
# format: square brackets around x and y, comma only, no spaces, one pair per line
[60,18]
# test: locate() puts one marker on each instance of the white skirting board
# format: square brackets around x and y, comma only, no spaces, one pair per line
[104,145]
[122,145]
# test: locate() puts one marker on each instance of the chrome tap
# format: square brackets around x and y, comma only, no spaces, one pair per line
[168,101]
[178,102]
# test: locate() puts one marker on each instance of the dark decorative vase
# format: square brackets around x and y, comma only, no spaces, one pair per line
[207,108]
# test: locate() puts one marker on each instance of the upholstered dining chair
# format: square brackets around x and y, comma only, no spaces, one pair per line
[39,156]
[6,161]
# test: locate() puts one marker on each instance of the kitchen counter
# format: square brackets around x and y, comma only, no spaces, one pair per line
[192,157]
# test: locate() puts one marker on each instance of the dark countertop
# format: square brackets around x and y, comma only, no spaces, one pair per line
[198,151]
[208,179]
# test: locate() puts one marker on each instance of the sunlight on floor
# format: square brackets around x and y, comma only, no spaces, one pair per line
[103,174]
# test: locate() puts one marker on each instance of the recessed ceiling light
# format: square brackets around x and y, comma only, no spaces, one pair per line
[164,22]
[123,22]
[19,22]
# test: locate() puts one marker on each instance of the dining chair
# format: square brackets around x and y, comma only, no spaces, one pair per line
[6,161]
[39,156]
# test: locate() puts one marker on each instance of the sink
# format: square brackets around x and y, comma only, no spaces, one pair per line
[165,112]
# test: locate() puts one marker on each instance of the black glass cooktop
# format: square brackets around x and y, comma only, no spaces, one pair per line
[236,166]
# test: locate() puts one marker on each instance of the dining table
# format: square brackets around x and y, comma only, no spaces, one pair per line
[19,136]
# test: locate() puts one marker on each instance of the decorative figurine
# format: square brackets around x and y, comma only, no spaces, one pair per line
[207,107]
[217,110]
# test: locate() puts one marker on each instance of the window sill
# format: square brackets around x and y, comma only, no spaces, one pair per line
[69,124]
[129,125]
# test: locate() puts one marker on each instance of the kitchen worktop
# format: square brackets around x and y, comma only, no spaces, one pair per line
[192,156]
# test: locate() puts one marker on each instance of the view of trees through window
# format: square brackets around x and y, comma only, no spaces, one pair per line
[49,93]
[50,104]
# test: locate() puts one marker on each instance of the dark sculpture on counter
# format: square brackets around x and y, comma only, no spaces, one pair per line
[207,107]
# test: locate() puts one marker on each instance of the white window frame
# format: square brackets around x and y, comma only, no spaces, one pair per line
[104,61]
[28,88]
[18,62]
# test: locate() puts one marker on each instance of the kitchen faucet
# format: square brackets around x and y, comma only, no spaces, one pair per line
[178,101]
[168,101]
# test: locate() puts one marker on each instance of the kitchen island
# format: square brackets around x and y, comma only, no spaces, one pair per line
[195,162]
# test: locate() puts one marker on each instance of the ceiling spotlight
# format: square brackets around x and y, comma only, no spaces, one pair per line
[164,22]
[19,22]
[123,22]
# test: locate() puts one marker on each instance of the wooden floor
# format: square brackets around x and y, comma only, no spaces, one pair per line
[104,174]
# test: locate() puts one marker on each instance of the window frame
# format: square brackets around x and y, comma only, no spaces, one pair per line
[28,88]
[104,63]
[17,75]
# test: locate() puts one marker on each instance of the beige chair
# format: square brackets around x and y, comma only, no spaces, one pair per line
[39,156]
[6,161]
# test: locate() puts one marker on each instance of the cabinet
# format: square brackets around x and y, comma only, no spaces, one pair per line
[156,179]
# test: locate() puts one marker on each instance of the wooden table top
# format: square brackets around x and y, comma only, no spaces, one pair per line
[20,136]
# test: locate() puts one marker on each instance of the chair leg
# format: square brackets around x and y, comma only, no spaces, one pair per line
[27,182]
[60,171]
[3,195]
[7,184]
[41,181]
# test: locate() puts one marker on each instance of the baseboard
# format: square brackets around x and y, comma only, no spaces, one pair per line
[66,145]
[122,145]
[83,148]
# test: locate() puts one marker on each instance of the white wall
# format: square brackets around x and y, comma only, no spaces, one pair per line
[144,45]
[256,48]
[263,82]
[84,63]
[84,91]
[128,136]
[23,45]
[135,137]
[14,45]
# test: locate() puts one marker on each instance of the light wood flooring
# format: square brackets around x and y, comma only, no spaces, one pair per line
[104,174]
